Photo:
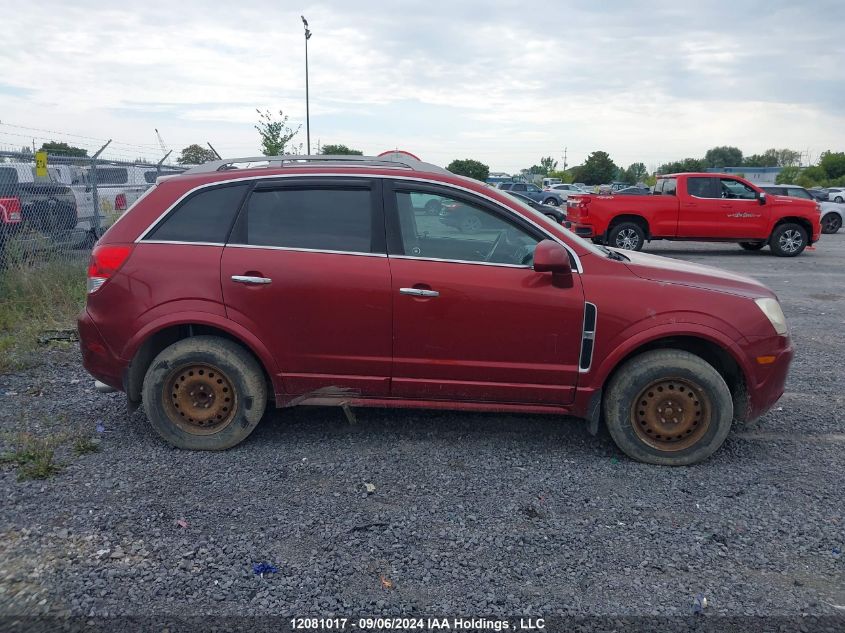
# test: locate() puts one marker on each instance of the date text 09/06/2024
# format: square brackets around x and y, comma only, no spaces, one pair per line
[422,624]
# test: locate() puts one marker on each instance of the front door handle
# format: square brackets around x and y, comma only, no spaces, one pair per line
[418,292]
[248,279]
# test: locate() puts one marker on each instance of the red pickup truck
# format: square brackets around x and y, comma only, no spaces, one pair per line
[700,207]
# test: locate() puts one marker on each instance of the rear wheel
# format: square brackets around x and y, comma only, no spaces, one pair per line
[831,223]
[839,199]
[668,407]
[627,235]
[204,393]
[788,240]
[551,202]
[752,246]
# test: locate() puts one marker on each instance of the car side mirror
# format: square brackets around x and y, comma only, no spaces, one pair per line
[761,197]
[551,257]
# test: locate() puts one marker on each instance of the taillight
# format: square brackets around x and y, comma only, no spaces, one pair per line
[120,202]
[105,261]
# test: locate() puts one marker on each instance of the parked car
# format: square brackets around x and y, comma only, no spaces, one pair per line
[836,194]
[818,193]
[566,188]
[832,212]
[10,220]
[315,282]
[551,211]
[48,215]
[505,186]
[550,182]
[553,198]
[701,207]
[633,191]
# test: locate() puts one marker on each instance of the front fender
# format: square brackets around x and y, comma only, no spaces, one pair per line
[641,334]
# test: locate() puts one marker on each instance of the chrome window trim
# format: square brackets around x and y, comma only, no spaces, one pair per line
[305,250]
[183,243]
[459,261]
[399,176]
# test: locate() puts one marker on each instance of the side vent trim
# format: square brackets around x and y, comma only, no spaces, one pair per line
[588,337]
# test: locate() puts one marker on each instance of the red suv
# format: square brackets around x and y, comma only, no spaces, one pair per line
[322,280]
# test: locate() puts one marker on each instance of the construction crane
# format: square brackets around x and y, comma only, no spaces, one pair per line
[161,142]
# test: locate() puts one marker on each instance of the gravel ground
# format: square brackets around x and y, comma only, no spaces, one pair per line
[473,514]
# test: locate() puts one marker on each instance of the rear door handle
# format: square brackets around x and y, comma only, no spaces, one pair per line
[418,292]
[247,279]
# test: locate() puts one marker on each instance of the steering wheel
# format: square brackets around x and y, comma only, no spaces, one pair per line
[495,246]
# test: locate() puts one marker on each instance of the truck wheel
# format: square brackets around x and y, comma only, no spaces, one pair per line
[204,393]
[788,240]
[668,407]
[752,246]
[627,235]
[831,223]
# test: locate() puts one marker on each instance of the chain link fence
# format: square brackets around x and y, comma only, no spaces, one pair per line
[55,212]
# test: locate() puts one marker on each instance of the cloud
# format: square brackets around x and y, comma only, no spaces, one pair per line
[648,81]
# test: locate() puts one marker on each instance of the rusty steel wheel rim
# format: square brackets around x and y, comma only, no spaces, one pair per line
[671,414]
[199,398]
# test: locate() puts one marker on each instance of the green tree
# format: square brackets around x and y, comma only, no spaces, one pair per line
[680,166]
[470,168]
[64,149]
[340,150]
[565,176]
[275,134]
[787,157]
[548,164]
[636,172]
[195,155]
[597,169]
[760,160]
[833,164]
[788,176]
[723,156]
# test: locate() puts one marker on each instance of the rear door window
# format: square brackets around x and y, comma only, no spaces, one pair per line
[666,187]
[338,219]
[797,192]
[704,187]
[204,217]
[112,176]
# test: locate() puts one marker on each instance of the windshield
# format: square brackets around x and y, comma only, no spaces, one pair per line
[545,221]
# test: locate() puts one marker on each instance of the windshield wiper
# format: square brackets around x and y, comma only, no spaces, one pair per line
[619,257]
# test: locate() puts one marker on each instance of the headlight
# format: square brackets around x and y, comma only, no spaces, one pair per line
[771,308]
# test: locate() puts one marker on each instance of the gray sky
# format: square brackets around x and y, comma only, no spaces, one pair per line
[505,82]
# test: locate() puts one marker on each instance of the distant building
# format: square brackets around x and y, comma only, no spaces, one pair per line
[757,175]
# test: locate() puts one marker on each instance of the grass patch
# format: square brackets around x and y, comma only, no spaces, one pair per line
[83,445]
[40,296]
[33,457]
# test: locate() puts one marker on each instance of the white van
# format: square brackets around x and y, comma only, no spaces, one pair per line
[550,182]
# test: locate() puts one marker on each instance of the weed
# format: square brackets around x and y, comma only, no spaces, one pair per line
[33,457]
[83,445]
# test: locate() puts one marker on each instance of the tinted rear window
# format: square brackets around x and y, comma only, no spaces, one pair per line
[8,177]
[666,187]
[112,176]
[206,216]
[320,219]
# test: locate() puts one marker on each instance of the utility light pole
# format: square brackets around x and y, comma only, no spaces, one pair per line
[307,111]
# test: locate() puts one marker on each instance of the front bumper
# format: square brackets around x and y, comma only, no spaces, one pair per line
[97,358]
[767,382]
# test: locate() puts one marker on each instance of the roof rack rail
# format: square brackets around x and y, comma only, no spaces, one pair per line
[298,160]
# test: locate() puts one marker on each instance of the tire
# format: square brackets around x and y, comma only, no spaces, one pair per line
[221,370]
[703,406]
[831,223]
[552,202]
[788,240]
[552,218]
[839,199]
[627,235]
[752,246]
[433,207]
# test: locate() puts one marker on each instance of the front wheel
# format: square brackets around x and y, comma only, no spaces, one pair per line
[668,407]
[831,223]
[752,246]
[204,393]
[551,202]
[788,240]
[627,235]
[839,199]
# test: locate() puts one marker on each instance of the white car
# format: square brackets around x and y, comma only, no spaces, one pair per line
[836,194]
